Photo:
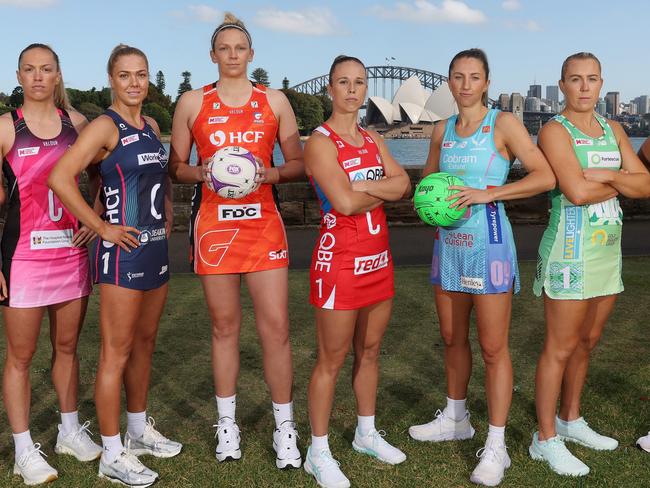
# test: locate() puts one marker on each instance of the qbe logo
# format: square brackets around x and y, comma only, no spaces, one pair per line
[368,264]
[240,212]
[372,173]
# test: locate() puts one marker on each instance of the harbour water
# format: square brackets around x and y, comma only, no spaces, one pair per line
[411,152]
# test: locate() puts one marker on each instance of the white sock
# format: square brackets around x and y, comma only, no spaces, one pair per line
[282,412]
[365,424]
[112,445]
[319,443]
[455,409]
[21,442]
[69,422]
[226,406]
[135,423]
[496,434]
[566,423]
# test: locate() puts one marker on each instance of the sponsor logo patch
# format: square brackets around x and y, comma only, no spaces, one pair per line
[485,129]
[50,239]
[583,142]
[216,106]
[163,269]
[239,212]
[572,231]
[279,254]
[372,173]
[368,264]
[130,139]
[219,138]
[28,151]
[351,163]
[133,276]
[471,283]
[222,119]
[448,144]
[494,223]
[604,159]
[329,220]
[159,157]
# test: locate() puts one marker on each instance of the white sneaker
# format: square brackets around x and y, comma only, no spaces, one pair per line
[78,444]
[443,428]
[33,468]
[227,440]
[152,442]
[644,442]
[127,470]
[325,469]
[494,460]
[285,441]
[374,445]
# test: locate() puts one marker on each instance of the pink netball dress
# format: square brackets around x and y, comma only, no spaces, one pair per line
[39,262]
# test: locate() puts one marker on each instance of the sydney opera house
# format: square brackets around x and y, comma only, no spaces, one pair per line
[412,104]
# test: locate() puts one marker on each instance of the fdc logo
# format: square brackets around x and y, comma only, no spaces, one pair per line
[240,212]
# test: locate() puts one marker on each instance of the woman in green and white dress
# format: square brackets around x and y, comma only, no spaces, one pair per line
[579,264]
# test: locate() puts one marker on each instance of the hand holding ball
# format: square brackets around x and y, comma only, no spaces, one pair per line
[232,172]
[430,199]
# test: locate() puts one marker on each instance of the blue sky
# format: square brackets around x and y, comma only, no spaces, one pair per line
[525,40]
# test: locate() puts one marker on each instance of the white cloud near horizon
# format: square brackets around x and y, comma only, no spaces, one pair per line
[425,11]
[29,3]
[311,22]
[529,25]
[511,5]
[202,13]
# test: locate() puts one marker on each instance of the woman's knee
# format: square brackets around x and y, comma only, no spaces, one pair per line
[452,338]
[225,326]
[589,341]
[20,358]
[494,351]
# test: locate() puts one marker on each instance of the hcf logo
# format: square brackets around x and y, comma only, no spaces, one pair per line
[236,138]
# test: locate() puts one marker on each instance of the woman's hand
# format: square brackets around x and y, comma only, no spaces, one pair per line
[83,236]
[264,175]
[206,174]
[466,196]
[120,235]
[359,185]
[599,175]
[3,287]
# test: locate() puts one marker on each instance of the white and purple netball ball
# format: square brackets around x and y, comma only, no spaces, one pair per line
[233,172]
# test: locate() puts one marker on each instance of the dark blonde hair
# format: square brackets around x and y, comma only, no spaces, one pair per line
[123,50]
[60,95]
[578,56]
[230,22]
[474,53]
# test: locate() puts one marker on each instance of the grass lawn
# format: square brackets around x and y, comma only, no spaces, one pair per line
[412,388]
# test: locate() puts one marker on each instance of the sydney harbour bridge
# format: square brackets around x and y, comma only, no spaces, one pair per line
[378,80]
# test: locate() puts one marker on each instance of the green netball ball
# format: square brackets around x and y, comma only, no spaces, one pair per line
[430,199]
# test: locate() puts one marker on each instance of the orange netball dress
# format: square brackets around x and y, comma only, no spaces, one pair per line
[236,235]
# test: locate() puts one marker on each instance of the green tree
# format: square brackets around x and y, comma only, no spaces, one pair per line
[160,114]
[156,96]
[89,110]
[326,103]
[307,108]
[261,76]
[285,83]
[185,84]
[16,97]
[160,81]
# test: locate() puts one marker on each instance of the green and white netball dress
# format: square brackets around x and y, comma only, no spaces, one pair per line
[580,252]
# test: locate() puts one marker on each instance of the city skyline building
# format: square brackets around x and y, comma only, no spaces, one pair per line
[517,105]
[504,102]
[612,100]
[553,93]
[535,91]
